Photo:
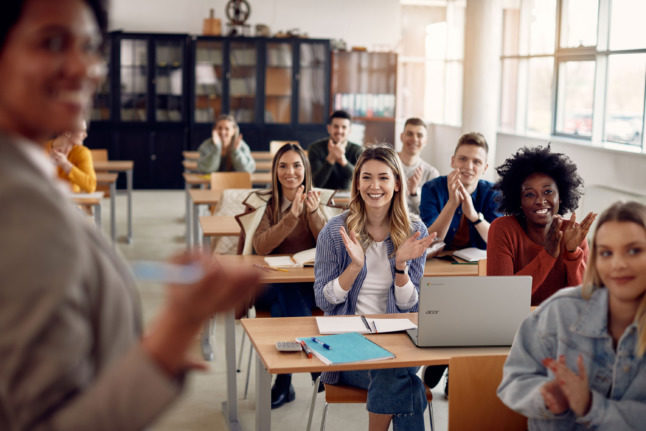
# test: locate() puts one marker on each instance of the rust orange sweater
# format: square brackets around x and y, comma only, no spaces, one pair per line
[511,252]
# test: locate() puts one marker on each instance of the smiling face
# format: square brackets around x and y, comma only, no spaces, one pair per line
[539,199]
[471,161]
[621,260]
[413,139]
[225,130]
[50,68]
[290,171]
[339,129]
[377,184]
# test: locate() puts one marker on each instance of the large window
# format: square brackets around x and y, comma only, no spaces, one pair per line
[429,79]
[575,68]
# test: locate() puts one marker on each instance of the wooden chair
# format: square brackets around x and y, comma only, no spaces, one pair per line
[342,394]
[482,267]
[473,402]
[229,180]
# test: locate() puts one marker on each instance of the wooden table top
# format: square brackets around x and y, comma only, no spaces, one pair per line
[190,165]
[433,268]
[113,165]
[205,196]
[219,226]
[260,155]
[257,178]
[106,177]
[263,165]
[87,198]
[261,178]
[265,332]
[191,155]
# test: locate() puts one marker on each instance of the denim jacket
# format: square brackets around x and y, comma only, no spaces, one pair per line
[567,324]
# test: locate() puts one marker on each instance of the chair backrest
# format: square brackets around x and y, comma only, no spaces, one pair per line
[473,401]
[274,146]
[230,180]
[99,155]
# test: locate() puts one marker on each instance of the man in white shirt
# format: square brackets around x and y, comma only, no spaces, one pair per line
[418,172]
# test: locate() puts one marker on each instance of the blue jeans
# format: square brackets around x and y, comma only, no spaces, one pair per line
[287,300]
[392,391]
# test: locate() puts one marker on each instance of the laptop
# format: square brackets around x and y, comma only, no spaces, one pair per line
[471,311]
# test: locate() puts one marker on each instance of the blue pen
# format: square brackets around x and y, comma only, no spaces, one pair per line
[325,345]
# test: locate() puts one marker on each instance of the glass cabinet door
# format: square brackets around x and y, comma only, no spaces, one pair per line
[169,58]
[208,80]
[134,72]
[242,81]
[278,83]
[101,105]
[311,87]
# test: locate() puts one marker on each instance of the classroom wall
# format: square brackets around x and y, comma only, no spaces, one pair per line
[374,24]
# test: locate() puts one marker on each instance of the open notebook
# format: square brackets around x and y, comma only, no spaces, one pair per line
[297,260]
[361,324]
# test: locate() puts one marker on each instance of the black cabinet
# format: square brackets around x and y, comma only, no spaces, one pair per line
[164,91]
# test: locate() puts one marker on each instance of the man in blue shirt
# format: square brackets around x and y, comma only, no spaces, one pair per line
[460,206]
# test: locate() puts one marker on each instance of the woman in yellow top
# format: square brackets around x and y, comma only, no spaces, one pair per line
[74,160]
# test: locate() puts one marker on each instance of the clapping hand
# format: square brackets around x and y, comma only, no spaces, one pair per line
[60,159]
[468,209]
[414,180]
[297,203]
[312,200]
[413,248]
[353,247]
[553,237]
[453,184]
[574,233]
[574,387]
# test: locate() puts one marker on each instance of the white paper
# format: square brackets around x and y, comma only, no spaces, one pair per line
[281,262]
[471,254]
[343,324]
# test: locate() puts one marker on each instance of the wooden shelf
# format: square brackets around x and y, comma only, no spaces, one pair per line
[374,119]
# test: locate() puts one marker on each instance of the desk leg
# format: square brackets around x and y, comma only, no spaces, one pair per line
[97,215]
[197,234]
[187,217]
[113,212]
[230,407]
[263,397]
[129,191]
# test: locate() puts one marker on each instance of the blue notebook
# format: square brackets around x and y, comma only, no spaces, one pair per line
[346,348]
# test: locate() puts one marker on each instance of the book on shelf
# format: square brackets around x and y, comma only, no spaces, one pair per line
[345,348]
[297,260]
[471,254]
[361,324]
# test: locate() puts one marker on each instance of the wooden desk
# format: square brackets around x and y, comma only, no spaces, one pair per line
[216,226]
[190,165]
[433,267]
[91,201]
[264,333]
[259,155]
[191,155]
[110,180]
[119,166]
[261,179]
[201,197]
[263,165]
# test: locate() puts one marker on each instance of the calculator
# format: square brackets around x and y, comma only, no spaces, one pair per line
[288,346]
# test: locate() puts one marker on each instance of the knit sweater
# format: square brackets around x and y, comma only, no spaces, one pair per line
[81,177]
[511,252]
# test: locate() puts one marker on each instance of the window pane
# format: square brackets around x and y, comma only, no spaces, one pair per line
[510,31]
[509,93]
[453,93]
[539,112]
[410,85]
[542,26]
[625,98]
[575,97]
[579,23]
[434,94]
[627,29]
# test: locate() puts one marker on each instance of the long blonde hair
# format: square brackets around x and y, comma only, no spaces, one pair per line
[276,187]
[400,226]
[632,212]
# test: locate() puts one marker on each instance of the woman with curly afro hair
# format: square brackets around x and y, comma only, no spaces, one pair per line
[537,188]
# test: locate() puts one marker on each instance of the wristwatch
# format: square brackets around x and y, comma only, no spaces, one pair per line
[401,271]
[480,219]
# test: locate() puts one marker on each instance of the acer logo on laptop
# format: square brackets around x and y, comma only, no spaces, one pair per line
[432,312]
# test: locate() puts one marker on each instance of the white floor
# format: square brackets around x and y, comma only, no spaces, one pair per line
[158,229]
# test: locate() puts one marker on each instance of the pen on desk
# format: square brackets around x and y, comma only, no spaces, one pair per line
[368,327]
[306,349]
[325,345]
